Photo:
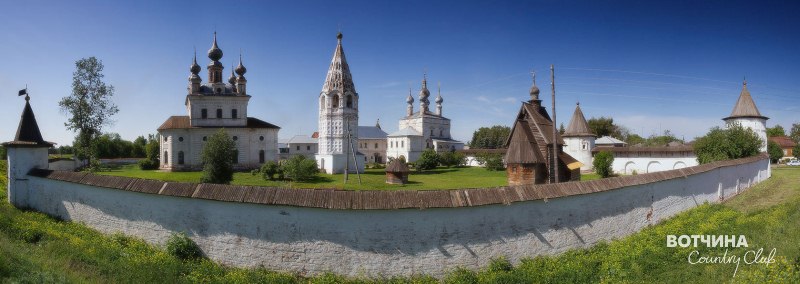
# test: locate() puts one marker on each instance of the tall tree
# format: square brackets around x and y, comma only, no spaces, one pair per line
[795,132]
[89,106]
[724,144]
[218,158]
[774,150]
[604,126]
[776,130]
[490,137]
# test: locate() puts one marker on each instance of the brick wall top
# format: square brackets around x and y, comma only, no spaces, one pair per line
[379,199]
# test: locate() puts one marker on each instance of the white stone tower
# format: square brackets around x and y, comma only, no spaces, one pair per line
[28,151]
[579,139]
[338,118]
[746,114]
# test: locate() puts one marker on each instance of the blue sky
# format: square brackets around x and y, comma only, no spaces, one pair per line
[650,65]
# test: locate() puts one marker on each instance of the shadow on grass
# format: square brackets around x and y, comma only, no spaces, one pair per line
[434,171]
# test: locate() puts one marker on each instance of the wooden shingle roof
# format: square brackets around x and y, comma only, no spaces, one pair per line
[28,134]
[578,125]
[745,106]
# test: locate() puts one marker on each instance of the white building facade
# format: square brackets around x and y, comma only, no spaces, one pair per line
[422,130]
[372,143]
[338,119]
[212,107]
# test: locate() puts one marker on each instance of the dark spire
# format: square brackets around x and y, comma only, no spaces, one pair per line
[28,133]
[194,68]
[232,78]
[534,89]
[240,69]
[215,54]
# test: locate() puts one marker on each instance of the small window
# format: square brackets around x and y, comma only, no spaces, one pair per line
[219,90]
[180,139]
[261,156]
[204,113]
[298,147]
[235,156]
[205,138]
[180,158]
[349,101]
[376,145]
[166,139]
[235,138]
[431,132]
[440,132]
[261,138]
[308,147]
[166,158]
[234,113]
[219,113]
[403,144]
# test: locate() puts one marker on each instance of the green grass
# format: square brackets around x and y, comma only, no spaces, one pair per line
[372,179]
[35,248]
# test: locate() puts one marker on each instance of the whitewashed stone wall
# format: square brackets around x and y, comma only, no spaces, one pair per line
[387,242]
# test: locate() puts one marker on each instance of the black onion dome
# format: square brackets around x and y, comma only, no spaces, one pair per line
[534,90]
[232,78]
[241,69]
[215,53]
[194,68]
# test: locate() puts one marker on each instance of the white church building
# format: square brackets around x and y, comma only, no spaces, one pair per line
[422,129]
[213,106]
[338,118]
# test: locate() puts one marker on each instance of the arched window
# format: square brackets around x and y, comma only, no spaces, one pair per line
[335,101]
[180,157]
[166,158]
[403,144]
[440,133]
[349,101]
[261,156]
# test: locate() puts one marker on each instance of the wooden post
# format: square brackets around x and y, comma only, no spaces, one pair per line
[555,131]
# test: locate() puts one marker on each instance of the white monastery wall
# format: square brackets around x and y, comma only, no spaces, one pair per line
[649,164]
[387,242]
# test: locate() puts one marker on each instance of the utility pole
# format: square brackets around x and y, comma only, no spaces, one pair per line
[555,131]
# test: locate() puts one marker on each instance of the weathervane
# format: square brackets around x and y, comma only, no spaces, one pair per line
[24,92]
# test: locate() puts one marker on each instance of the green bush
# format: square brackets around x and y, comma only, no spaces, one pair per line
[602,163]
[725,144]
[491,161]
[148,164]
[775,151]
[500,264]
[298,168]
[182,247]
[452,159]
[270,169]
[428,160]
[218,158]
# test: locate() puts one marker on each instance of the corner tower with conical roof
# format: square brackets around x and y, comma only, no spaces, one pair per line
[338,118]
[746,114]
[26,152]
[579,139]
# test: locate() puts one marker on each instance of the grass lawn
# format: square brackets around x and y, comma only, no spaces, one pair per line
[373,179]
[37,249]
